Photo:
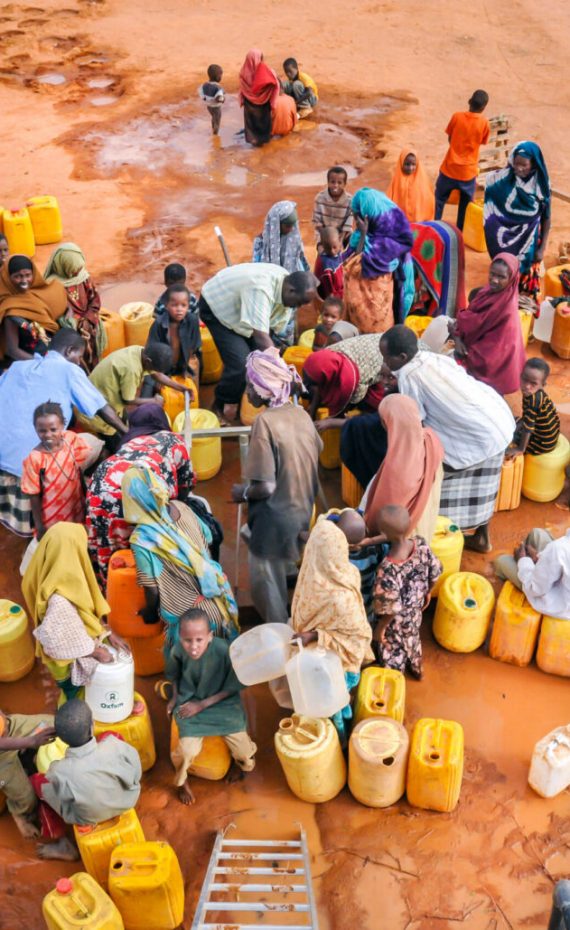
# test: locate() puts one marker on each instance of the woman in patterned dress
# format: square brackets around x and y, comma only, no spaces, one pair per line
[67,265]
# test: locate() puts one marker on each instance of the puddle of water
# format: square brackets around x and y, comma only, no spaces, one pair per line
[103,100]
[51,77]
[313,178]
[100,83]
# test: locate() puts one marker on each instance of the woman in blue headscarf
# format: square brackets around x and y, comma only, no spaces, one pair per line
[378,274]
[517,212]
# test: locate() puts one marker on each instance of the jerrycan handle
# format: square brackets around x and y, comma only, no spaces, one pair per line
[553,745]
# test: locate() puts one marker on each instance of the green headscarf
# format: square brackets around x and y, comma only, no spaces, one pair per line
[67,264]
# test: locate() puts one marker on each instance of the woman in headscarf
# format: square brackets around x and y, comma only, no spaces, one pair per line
[67,265]
[67,608]
[379,279]
[411,189]
[412,471]
[487,335]
[258,93]
[152,445]
[29,308]
[174,566]
[517,212]
[345,375]
[280,242]
[328,610]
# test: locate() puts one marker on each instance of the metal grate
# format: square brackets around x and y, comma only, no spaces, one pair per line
[268,881]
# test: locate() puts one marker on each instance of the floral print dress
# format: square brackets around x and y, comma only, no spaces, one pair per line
[163,453]
[401,590]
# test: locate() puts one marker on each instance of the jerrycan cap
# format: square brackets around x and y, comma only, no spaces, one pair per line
[64,886]
[470,603]
[453,528]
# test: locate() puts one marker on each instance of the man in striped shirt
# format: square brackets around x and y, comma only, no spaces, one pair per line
[241,305]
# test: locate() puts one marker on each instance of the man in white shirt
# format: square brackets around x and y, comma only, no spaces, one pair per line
[541,569]
[473,422]
[241,305]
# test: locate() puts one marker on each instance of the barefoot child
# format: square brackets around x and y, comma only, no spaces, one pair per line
[205,699]
[178,326]
[301,87]
[466,132]
[402,588]
[332,206]
[538,429]
[212,93]
[51,473]
[18,733]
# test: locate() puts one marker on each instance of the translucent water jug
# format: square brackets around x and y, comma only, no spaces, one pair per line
[111,692]
[260,654]
[316,681]
[550,766]
[280,690]
[437,333]
[542,328]
[311,758]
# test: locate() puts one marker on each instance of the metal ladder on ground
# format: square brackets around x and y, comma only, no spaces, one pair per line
[267,879]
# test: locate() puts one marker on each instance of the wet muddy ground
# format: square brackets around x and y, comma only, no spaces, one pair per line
[100,108]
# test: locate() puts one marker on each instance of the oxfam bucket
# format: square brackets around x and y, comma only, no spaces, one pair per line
[110,693]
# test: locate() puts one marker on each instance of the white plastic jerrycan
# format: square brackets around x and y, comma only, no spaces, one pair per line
[111,692]
[550,766]
[543,325]
[260,654]
[279,688]
[437,333]
[316,681]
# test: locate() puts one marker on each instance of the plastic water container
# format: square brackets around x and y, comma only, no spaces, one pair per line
[552,283]
[316,681]
[247,412]
[550,765]
[510,486]
[311,758]
[463,613]
[417,323]
[330,456]
[48,753]
[136,730]
[437,333]
[212,365]
[126,598]
[435,767]
[260,654]
[17,654]
[473,232]
[206,452]
[307,338]
[138,318]
[281,692]
[96,843]
[542,328]
[560,338]
[553,653]
[351,490]
[174,400]
[515,628]
[377,762]
[146,884]
[110,693]
[381,693]
[544,475]
[45,217]
[19,232]
[297,356]
[78,901]
[214,759]
[2,208]
[447,544]
[526,325]
[114,330]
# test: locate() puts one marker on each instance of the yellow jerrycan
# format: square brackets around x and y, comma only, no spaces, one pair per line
[297,356]
[377,762]
[146,884]
[515,628]
[307,338]
[50,752]
[330,456]
[543,475]
[138,317]
[435,767]
[45,217]
[473,232]
[418,323]
[212,365]
[463,613]
[114,327]
[214,759]
[80,902]
[136,730]
[381,693]
[510,487]
[206,452]
[96,843]
[308,749]
[17,653]
[447,544]
[351,490]
[553,653]
[19,232]
[174,400]
[247,412]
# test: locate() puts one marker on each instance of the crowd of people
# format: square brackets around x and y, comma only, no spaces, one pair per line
[91,464]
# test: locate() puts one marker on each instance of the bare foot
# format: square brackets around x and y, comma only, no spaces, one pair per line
[563,505]
[418,674]
[63,849]
[235,774]
[27,828]
[479,541]
[185,795]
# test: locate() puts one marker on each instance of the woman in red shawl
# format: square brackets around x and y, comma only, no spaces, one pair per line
[259,90]
[348,374]
[488,336]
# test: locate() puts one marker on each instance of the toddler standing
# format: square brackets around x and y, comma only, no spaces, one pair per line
[212,93]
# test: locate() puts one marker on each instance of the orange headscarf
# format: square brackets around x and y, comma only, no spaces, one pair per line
[407,474]
[413,193]
[43,303]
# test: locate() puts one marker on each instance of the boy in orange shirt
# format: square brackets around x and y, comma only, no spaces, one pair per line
[466,132]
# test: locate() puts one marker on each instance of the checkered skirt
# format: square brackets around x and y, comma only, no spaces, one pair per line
[468,494]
